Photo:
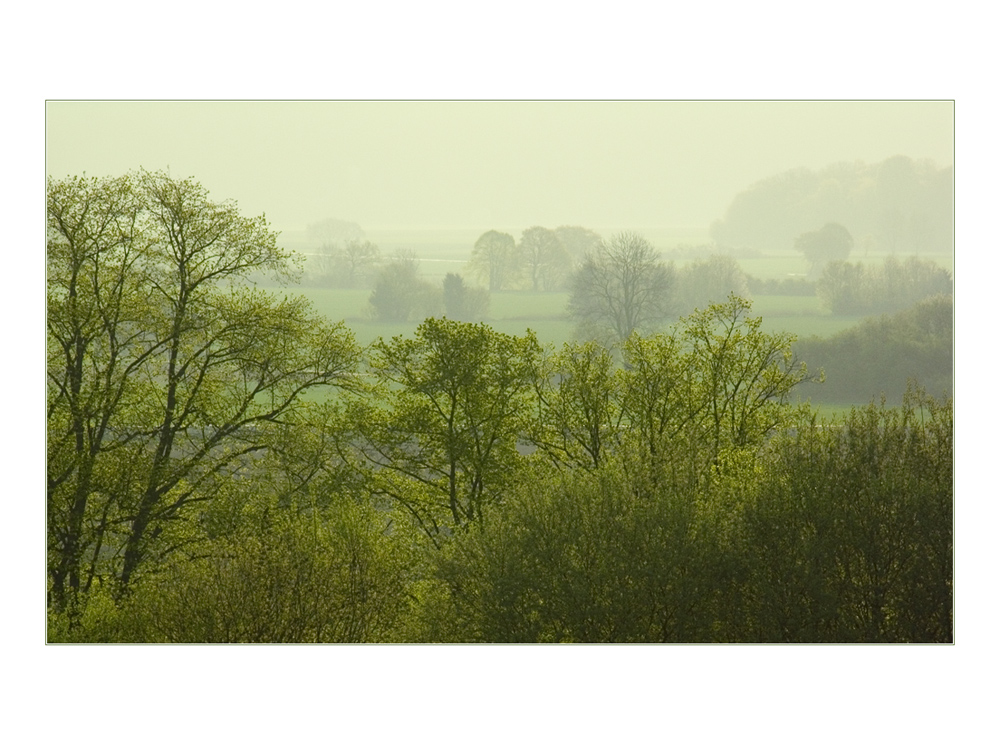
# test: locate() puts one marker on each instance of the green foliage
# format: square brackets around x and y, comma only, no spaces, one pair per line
[464,486]
[851,537]
[832,242]
[745,375]
[713,280]
[878,356]
[578,415]
[335,576]
[443,421]
[162,370]
[828,534]
[858,289]
[400,294]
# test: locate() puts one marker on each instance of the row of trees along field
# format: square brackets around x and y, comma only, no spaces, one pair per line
[224,466]
[638,287]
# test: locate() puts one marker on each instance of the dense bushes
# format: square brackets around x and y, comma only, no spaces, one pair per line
[856,289]
[836,534]
[470,486]
[880,355]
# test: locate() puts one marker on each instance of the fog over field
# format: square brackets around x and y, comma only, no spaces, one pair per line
[475,166]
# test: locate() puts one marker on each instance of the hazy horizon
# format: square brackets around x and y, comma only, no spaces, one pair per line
[487,165]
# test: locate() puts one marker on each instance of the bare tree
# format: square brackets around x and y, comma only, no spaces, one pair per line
[622,287]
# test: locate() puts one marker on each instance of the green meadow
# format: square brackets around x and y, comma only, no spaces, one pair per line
[545,313]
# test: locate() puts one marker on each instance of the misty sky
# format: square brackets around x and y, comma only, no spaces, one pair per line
[488,164]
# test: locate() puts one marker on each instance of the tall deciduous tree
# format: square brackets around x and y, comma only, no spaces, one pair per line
[543,257]
[832,242]
[495,259]
[162,374]
[443,424]
[622,287]
[464,303]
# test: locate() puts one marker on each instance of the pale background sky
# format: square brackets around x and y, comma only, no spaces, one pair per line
[486,165]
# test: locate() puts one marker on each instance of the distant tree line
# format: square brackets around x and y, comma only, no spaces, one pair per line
[899,205]
[859,289]
[542,260]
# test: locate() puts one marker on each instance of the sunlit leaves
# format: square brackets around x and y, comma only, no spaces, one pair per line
[162,367]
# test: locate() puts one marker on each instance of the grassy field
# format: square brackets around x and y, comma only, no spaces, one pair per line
[545,313]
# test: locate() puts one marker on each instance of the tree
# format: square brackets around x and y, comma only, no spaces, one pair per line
[745,376]
[832,242]
[399,294]
[442,425]
[286,578]
[577,241]
[340,253]
[878,356]
[711,281]
[464,303]
[544,258]
[495,260]
[354,264]
[622,287]
[848,288]
[578,418]
[163,373]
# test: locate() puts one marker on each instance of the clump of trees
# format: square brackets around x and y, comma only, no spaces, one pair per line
[400,294]
[881,354]
[898,205]
[542,260]
[459,484]
[712,280]
[832,242]
[857,289]
[821,534]
[791,286]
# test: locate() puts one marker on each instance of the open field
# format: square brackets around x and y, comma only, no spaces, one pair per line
[545,313]
[513,312]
